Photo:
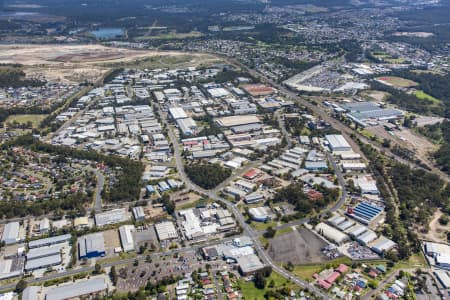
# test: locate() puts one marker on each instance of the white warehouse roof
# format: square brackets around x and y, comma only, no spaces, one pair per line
[126,237]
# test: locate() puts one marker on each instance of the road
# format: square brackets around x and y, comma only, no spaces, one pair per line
[346,131]
[278,116]
[331,209]
[98,189]
[254,235]
[155,255]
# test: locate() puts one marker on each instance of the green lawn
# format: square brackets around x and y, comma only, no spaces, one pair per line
[23,119]
[250,292]
[424,96]
[307,271]
[263,226]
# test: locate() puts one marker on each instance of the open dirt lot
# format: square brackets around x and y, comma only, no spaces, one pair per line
[77,63]
[112,241]
[300,246]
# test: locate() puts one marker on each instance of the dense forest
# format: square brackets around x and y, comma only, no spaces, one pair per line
[207,176]
[440,133]
[11,76]
[410,102]
[73,205]
[129,178]
[419,192]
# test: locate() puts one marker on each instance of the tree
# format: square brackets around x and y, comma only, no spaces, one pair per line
[97,268]
[270,232]
[259,280]
[20,286]
[113,275]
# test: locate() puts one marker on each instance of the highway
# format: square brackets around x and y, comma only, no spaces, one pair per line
[247,230]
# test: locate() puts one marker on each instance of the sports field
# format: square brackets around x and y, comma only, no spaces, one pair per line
[397,81]
[23,119]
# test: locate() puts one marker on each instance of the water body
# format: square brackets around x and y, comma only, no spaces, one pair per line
[107,33]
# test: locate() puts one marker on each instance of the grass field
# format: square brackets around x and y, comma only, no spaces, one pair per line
[23,119]
[424,96]
[307,271]
[250,292]
[263,226]
[397,81]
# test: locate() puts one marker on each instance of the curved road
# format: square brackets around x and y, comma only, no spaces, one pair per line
[346,131]
[239,217]
[332,209]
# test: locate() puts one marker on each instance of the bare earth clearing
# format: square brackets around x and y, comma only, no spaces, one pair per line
[77,63]
[300,246]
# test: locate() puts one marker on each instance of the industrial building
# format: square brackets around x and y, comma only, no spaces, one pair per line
[337,142]
[111,217]
[36,253]
[166,231]
[367,237]
[260,214]
[11,233]
[361,112]
[237,120]
[126,237]
[383,245]
[138,212]
[365,212]
[31,293]
[193,227]
[367,185]
[77,290]
[249,264]
[187,126]
[49,241]
[331,234]
[91,245]
[43,262]
[443,278]
[177,113]
[443,260]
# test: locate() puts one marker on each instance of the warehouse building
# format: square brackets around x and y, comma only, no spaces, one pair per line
[166,231]
[365,212]
[31,293]
[443,261]
[177,113]
[11,233]
[367,237]
[111,217]
[249,264]
[49,241]
[260,214]
[126,237]
[337,142]
[36,253]
[43,262]
[138,211]
[89,287]
[187,126]
[91,245]
[443,278]
[383,245]
[331,233]
[232,121]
